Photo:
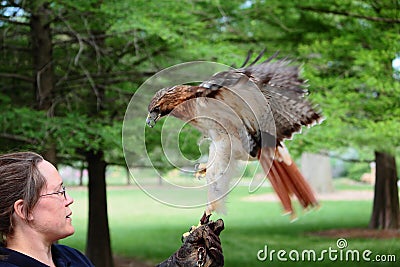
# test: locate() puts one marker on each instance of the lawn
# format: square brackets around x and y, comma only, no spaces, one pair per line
[149,231]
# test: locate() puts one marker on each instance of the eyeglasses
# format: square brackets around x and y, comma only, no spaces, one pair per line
[59,193]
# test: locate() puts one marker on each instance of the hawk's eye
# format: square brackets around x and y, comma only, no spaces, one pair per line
[156,109]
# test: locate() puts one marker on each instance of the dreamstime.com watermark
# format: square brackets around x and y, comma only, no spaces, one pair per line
[339,253]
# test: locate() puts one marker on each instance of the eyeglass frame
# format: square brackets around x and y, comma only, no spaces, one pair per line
[64,192]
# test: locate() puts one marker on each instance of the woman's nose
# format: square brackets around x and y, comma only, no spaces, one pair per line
[69,199]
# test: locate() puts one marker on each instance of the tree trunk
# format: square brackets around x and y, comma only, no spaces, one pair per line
[385,212]
[42,54]
[43,73]
[98,247]
[50,153]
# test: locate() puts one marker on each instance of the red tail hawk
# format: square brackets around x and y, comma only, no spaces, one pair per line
[247,113]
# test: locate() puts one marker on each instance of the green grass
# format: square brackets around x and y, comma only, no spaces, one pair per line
[147,230]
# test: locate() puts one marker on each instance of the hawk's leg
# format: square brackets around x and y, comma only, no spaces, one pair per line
[200,170]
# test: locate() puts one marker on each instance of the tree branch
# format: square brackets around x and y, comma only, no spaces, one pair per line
[15,48]
[17,76]
[349,14]
[112,76]
[18,138]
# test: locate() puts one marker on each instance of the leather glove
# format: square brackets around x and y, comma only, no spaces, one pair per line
[201,248]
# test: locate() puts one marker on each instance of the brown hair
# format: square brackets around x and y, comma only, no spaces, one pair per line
[19,179]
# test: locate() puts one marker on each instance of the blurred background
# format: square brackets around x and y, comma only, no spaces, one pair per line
[69,69]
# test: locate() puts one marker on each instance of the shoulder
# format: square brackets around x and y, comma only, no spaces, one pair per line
[4,255]
[7,264]
[72,255]
[11,258]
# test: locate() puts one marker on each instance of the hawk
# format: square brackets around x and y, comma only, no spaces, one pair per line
[247,113]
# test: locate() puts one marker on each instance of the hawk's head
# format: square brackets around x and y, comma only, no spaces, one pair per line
[167,99]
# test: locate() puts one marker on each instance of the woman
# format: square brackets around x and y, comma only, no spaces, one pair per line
[35,213]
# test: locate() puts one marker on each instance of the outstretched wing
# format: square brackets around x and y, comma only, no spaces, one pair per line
[284,96]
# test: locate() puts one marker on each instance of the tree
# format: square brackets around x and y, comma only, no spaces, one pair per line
[56,122]
[385,213]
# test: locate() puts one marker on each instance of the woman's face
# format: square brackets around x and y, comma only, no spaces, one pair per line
[51,216]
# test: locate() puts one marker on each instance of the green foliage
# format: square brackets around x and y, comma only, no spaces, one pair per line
[104,50]
[187,136]
[351,78]
[356,170]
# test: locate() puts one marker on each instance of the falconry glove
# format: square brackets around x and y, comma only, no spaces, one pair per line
[201,248]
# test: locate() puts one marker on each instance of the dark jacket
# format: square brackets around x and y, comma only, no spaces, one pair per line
[63,256]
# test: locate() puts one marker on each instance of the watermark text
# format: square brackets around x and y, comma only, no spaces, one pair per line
[339,253]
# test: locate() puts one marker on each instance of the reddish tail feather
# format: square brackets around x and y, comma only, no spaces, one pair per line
[286,180]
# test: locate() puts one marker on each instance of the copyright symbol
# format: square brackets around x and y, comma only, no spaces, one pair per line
[341,243]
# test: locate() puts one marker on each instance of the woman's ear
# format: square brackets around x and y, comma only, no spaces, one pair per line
[19,210]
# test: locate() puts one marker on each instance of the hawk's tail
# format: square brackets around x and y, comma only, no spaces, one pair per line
[286,179]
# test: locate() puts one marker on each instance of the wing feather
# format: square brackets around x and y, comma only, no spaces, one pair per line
[282,87]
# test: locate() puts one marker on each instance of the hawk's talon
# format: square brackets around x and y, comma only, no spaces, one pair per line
[205,218]
[200,170]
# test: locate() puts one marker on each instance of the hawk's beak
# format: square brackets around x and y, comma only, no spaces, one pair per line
[152,118]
